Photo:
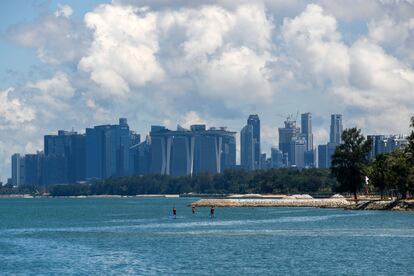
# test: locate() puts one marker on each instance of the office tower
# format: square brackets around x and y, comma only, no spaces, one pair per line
[247,147]
[16,161]
[286,135]
[336,129]
[254,121]
[64,158]
[297,152]
[120,144]
[310,158]
[306,130]
[140,158]
[263,160]
[323,157]
[33,168]
[107,150]
[277,158]
[228,152]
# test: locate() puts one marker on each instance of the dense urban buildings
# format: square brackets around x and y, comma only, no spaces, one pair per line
[114,150]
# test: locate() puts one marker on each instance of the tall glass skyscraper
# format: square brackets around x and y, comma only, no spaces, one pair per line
[336,129]
[254,121]
[287,136]
[306,130]
[247,148]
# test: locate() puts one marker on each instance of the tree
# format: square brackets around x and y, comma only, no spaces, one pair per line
[350,159]
[398,172]
[377,173]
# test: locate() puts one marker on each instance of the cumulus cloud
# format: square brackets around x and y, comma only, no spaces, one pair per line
[215,62]
[13,111]
[123,51]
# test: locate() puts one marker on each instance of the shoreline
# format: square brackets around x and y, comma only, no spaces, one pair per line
[342,203]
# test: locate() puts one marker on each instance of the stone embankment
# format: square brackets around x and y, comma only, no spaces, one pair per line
[396,205]
[319,203]
[337,201]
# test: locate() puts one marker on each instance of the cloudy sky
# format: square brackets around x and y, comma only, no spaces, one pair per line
[74,64]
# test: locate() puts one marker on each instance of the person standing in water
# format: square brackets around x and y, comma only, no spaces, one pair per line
[212,212]
[193,209]
[174,212]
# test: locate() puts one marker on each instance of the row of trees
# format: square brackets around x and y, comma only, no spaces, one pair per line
[286,181]
[393,172]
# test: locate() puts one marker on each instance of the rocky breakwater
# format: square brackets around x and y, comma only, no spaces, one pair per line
[395,205]
[287,201]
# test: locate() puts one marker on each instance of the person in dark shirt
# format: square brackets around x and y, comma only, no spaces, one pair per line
[212,212]
[174,212]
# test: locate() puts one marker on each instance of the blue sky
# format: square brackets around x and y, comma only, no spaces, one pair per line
[79,63]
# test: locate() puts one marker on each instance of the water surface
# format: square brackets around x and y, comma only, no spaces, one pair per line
[93,236]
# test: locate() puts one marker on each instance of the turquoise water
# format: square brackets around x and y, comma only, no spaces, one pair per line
[137,236]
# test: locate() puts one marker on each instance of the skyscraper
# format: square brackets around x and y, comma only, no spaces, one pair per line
[107,150]
[16,161]
[184,152]
[277,158]
[286,135]
[306,130]
[323,157]
[336,129]
[254,121]
[247,147]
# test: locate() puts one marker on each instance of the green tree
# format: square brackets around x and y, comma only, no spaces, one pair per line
[377,173]
[398,172]
[350,159]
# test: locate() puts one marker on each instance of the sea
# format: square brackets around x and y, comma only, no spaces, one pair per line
[139,236]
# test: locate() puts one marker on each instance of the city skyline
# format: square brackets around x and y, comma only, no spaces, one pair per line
[83,63]
[115,150]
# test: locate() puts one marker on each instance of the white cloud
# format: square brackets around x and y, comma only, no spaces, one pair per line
[312,38]
[217,61]
[63,11]
[13,111]
[123,52]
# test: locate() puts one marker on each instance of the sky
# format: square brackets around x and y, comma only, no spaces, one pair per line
[75,64]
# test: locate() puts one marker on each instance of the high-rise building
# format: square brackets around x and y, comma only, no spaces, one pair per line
[247,148]
[286,135]
[254,121]
[277,158]
[323,157]
[16,161]
[336,129]
[65,153]
[228,153]
[306,130]
[381,144]
[184,152]
[107,150]
[297,152]
[140,158]
[33,168]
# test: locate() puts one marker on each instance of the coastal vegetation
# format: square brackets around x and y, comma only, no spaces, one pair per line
[276,181]
[391,173]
